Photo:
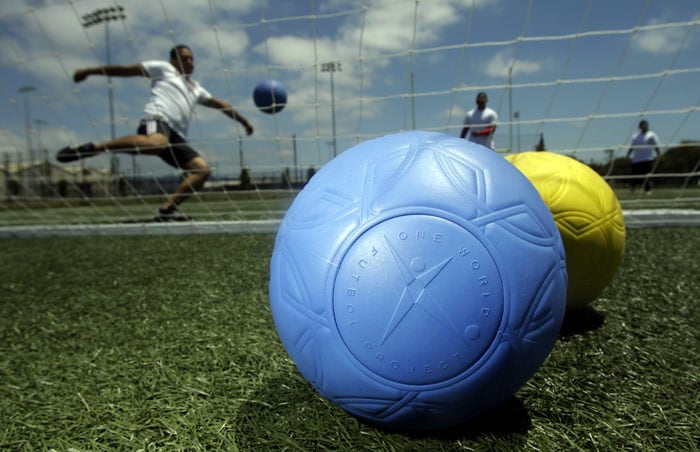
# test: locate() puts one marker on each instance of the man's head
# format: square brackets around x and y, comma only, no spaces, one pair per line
[481,99]
[643,125]
[182,58]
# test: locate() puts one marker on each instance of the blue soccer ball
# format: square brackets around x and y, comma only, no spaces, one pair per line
[418,280]
[270,96]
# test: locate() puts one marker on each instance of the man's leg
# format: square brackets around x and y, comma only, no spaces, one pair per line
[151,144]
[648,167]
[198,172]
[635,180]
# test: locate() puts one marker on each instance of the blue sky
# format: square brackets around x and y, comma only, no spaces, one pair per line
[581,72]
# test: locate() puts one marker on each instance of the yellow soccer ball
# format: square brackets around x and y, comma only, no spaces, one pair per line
[589,218]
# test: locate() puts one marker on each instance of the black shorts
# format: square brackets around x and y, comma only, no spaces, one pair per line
[179,153]
[642,167]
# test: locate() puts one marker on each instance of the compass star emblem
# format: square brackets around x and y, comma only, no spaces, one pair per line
[416,292]
[417,299]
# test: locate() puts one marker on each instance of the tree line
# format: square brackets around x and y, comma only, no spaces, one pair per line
[681,159]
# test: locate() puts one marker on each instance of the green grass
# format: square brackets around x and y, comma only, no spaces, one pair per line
[168,343]
[235,206]
[661,197]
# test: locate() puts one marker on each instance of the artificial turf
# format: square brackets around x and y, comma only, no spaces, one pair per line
[167,342]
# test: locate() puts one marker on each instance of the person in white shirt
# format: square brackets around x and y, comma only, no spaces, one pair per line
[163,130]
[480,123]
[643,151]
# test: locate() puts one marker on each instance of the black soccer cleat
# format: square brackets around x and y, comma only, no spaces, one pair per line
[70,154]
[170,213]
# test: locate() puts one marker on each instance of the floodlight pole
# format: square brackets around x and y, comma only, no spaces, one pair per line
[46,171]
[516,115]
[413,100]
[240,152]
[332,67]
[510,109]
[296,164]
[96,17]
[25,90]
[39,123]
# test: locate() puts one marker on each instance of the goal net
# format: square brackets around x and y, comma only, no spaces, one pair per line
[568,77]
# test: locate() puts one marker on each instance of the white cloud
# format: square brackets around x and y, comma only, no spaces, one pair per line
[14,143]
[57,29]
[363,43]
[499,65]
[294,51]
[11,142]
[659,41]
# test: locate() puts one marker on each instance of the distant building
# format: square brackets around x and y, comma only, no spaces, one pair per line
[47,180]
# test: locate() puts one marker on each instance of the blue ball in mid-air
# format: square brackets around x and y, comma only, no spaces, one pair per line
[418,280]
[270,96]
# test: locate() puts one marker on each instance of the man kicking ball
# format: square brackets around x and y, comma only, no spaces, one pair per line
[163,129]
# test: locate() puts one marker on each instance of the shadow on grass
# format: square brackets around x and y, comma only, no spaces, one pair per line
[581,321]
[510,420]
[289,413]
[286,412]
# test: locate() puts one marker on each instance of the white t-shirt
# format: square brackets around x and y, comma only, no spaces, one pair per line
[478,120]
[643,146]
[173,95]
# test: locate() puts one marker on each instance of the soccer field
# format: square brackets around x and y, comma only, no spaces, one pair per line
[18,217]
[167,342]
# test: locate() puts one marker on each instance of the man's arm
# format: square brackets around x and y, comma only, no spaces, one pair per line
[131,70]
[488,128]
[485,131]
[465,131]
[229,111]
[656,146]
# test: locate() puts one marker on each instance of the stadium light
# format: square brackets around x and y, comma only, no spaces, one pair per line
[294,150]
[516,115]
[25,90]
[39,142]
[332,67]
[510,108]
[96,17]
[105,15]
